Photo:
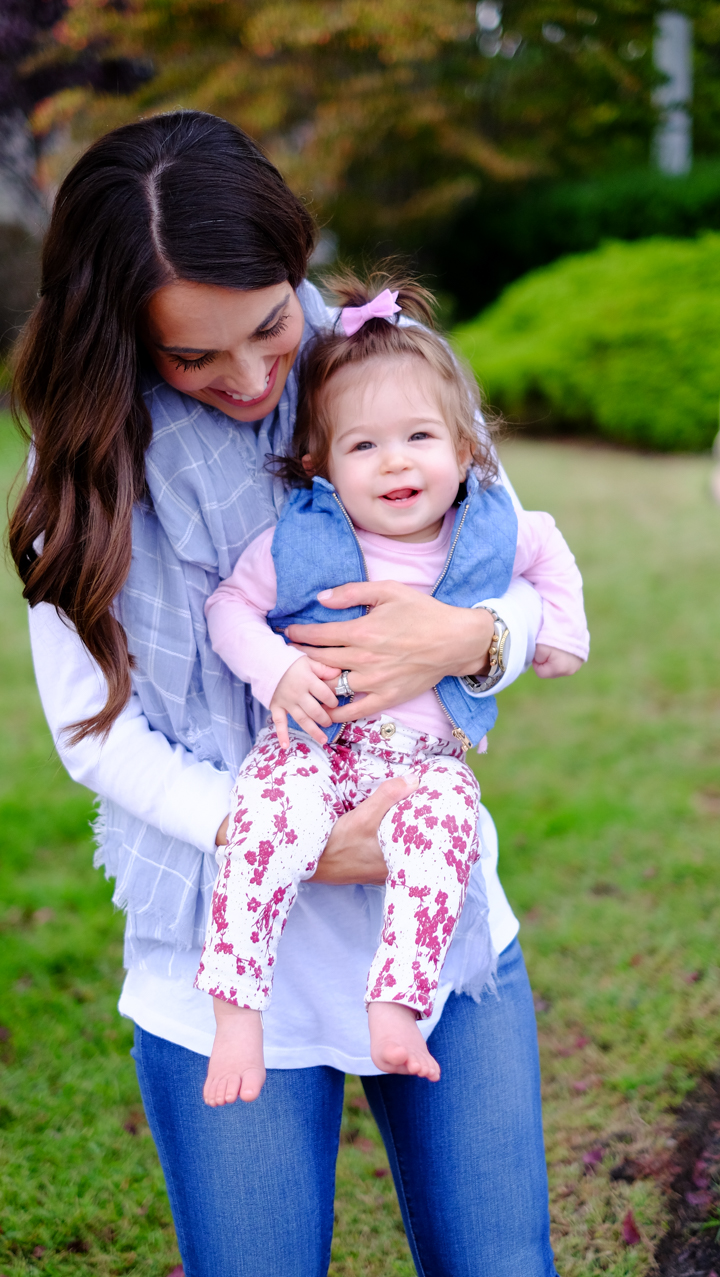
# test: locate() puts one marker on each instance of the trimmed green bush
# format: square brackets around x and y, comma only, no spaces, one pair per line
[508,230]
[624,340]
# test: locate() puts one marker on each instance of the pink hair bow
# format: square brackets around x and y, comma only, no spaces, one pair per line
[381,307]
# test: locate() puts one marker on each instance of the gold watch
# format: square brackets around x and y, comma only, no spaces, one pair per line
[498,654]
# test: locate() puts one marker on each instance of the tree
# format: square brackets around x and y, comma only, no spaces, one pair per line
[386,113]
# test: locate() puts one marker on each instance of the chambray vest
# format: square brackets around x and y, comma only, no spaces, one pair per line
[315,548]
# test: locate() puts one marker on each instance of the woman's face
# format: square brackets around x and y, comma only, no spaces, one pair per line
[227,348]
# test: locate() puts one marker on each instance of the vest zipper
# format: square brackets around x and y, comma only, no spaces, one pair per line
[457,732]
[357,542]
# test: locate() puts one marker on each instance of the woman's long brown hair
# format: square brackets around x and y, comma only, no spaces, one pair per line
[180,196]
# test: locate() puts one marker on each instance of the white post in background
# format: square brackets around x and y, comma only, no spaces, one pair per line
[672,53]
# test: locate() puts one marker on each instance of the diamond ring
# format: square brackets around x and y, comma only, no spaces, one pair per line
[342,687]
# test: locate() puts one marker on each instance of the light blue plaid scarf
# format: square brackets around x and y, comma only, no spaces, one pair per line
[210,497]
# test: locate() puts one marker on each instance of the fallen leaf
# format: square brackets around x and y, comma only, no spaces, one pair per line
[592,1157]
[360,1102]
[701,1198]
[700,1178]
[604,889]
[366,1145]
[177,1272]
[41,916]
[631,1235]
[650,872]
[708,800]
[692,977]
[585,1084]
[39,1251]
[380,1172]
[636,960]
[581,1042]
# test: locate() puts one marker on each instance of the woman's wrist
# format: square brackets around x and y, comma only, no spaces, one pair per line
[221,836]
[473,631]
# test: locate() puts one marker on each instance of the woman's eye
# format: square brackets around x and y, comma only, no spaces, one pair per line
[191,365]
[278,327]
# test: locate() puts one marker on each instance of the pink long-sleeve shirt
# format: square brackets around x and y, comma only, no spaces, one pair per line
[236,613]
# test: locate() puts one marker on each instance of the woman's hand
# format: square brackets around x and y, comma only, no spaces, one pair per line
[352,852]
[406,644]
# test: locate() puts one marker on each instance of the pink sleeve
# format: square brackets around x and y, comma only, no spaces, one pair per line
[236,616]
[544,558]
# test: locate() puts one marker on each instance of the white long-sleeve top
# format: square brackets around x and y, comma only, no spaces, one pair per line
[316,1017]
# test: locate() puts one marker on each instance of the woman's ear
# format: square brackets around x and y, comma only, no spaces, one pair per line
[307,464]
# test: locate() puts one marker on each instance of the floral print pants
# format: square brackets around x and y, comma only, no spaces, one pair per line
[285,803]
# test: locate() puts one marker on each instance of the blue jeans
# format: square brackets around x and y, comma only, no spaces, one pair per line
[251,1186]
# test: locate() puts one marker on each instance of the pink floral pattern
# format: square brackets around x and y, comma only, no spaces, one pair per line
[285,802]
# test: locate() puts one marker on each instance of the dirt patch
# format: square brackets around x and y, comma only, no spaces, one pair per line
[691,1247]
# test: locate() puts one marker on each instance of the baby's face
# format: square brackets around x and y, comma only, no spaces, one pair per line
[393,459]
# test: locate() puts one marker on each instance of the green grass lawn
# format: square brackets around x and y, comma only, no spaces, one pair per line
[606,792]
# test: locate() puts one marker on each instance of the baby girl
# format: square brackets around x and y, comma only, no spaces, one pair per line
[392,481]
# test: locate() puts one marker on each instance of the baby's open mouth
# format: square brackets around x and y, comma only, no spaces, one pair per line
[399,495]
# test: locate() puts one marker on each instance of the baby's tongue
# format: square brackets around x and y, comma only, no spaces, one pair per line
[399,494]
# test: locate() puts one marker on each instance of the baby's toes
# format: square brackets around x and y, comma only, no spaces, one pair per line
[251,1084]
[231,1091]
[430,1069]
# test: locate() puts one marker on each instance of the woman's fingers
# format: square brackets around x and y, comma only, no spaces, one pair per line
[352,853]
[363,707]
[387,796]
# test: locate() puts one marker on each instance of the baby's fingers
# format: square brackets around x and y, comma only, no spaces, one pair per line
[323,692]
[309,726]
[329,672]
[279,718]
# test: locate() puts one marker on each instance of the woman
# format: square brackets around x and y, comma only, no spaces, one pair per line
[157,373]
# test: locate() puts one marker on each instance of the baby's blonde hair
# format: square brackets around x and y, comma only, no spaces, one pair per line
[458,392]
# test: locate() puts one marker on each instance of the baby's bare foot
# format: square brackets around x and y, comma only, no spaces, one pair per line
[236,1065]
[396,1043]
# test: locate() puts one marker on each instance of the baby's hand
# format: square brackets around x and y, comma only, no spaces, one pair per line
[302,693]
[550,662]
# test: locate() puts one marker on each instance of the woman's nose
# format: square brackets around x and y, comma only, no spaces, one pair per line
[246,377]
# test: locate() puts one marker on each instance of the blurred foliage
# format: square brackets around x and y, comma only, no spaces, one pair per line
[386,113]
[509,230]
[623,341]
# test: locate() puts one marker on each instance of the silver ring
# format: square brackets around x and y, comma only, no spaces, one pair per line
[342,687]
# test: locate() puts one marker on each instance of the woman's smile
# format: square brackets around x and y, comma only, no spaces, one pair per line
[235,397]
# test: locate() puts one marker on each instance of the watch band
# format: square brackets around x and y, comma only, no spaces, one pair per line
[496,653]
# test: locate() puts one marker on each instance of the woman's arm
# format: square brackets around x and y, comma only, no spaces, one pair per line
[161,783]
[138,768]
[409,641]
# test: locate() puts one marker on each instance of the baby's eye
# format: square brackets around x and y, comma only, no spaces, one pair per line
[419,435]
[363,447]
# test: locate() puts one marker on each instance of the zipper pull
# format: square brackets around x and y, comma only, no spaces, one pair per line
[459,734]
